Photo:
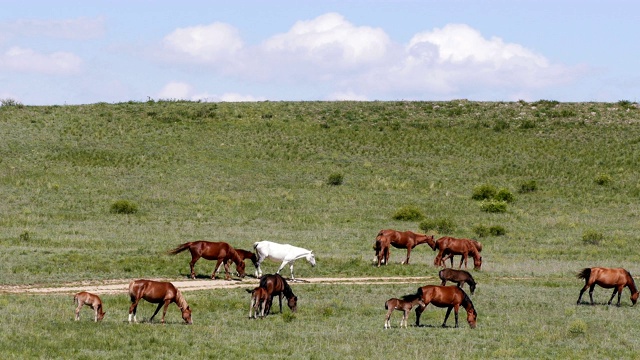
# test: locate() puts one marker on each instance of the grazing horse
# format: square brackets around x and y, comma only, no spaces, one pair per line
[448,247]
[403,304]
[457,276]
[451,297]
[399,240]
[259,299]
[286,253]
[84,298]
[608,278]
[157,292]
[246,254]
[277,285]
[220,251]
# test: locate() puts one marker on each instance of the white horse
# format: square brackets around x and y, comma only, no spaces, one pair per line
[281,252]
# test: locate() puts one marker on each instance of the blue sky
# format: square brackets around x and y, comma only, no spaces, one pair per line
[79,52]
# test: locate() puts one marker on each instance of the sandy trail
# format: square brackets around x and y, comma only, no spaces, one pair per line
[122,285]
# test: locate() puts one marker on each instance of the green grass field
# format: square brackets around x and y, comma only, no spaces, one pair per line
[243,172]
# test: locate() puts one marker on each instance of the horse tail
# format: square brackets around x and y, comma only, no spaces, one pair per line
[75,299]
[584,274]
[255,245]
[179,249]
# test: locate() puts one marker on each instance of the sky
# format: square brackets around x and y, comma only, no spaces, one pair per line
[82,52]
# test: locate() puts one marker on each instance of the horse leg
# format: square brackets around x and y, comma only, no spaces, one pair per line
[164,311]
[464,257]
[226,271]
[284,263]
[387,322]
[408,255]
[405,317]
[133,309]
[157,309]
[192,265]
[582,292]
[444,323]
[253,301]
[444,282]
[280,300]
[215,270]
[419,311]
[591,293]
[615,290]
[95,310]
[291,269]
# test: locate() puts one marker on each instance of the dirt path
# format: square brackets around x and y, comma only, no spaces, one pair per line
[122,285]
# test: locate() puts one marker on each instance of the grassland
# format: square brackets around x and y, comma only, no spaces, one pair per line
[258,171]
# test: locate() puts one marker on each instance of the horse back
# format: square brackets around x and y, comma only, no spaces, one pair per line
[152,291]
[442,296]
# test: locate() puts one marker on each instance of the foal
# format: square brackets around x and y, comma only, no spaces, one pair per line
[404,304]
[84,298]
[259,299]
[457,276]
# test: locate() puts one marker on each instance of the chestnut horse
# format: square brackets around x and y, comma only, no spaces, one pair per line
[157,292]
[403,304]
[449,246]
[84,298]
[451,297]
[457,276]
[259,299]
[399,240]
[276,285]
[220,251]
[608,278]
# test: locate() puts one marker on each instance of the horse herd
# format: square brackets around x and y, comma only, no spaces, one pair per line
[271,285]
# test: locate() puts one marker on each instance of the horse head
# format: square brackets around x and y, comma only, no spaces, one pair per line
[311,258]
[240,268]
[101,314]
[471,317]
[293,303]
[477,262]
[186,315]
[634,298]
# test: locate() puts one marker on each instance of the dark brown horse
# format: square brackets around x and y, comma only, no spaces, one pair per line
[259,299]
[399,240]
[404,304]
[157,292]
[457,276]
[449,246]
[246,254]
[277,285]
[451,297]
[608,278]
[220,251]
[85,298]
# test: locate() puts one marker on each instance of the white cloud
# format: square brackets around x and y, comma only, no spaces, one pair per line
[27,60]
[331,41]
[76,29]
[209,43]
[183,91]
[346,96]
[176,91]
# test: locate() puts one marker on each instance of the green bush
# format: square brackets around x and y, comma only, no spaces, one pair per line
[484,192]
[493,206]
[578,327]
[528,186]
[439,225]
[481,230]
[603,179]
[335,179]
[497,230]
[124,207]
[592,237]
[504,195]
[408,213]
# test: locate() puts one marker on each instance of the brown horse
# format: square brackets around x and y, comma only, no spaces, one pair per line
[449,246]
[220,251]
[451,297]
[404,304]
[277,285]
[157,292]
[246,254]
[457,276]
[399,240]
[259,299]
[84,298]
[608,278]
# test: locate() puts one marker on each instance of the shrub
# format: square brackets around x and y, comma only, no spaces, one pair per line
[124,207]
[603,179]
[439,225]
[592,237]
[497,230]
[335,179]
[481,230]
[25,236]
[578,327]
[528,186]
[408,213]
[484,192]
[504,195]
[493,206]
[10,102]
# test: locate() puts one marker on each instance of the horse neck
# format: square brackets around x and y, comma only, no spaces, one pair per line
[181,301]
[467,304]
[235,257]
[288,293]
[631,284]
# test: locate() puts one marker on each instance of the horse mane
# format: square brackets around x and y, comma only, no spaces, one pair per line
[181,301]
[288,293]
[467,303]
[633,282]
